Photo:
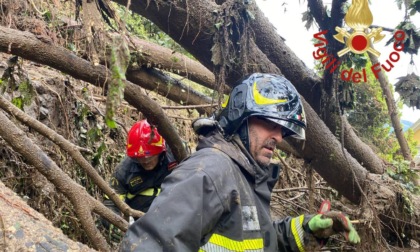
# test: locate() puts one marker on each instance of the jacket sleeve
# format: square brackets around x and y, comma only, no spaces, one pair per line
[187,209]
[292,233]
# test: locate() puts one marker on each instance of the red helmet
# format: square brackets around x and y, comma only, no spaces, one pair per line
[141,142]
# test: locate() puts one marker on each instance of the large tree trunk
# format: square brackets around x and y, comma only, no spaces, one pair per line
[198,40]
[170,88]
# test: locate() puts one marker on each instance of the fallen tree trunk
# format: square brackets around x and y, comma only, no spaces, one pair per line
[24,229]
[271,54]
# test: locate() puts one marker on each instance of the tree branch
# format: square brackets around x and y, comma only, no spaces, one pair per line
[319,12]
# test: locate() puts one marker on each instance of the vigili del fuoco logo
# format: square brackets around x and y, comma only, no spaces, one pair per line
[357,40]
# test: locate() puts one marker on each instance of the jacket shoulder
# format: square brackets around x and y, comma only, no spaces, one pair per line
[213,163]
[209,159]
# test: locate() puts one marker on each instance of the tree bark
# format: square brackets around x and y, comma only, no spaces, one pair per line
[152,55]
[192,25]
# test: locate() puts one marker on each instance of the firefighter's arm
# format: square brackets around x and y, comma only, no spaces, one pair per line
[187,209]
[292,233]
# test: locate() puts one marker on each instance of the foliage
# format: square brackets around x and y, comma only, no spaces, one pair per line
[408,87]
[405,175]
[414,7]
[356,61]
[412,37]
[308,19]
[369,115]
[145,29]
[119,59]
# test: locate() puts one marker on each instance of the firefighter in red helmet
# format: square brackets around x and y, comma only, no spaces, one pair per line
[138,177]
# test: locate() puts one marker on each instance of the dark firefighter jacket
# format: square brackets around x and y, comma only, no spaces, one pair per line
[215,201]
[136,186]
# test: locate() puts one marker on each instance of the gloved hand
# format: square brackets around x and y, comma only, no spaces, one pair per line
[114,233]
[332,222]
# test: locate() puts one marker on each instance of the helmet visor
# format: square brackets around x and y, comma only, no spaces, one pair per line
[290,128]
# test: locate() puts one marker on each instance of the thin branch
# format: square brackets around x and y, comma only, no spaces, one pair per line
[190,106]
[301,189]
[181,117]
[383,28]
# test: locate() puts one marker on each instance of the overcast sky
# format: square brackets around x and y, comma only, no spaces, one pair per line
[286,16]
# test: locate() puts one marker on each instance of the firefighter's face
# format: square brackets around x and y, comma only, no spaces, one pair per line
[264,135]
[148,163]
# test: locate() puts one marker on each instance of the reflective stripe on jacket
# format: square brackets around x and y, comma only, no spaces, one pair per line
[214,201]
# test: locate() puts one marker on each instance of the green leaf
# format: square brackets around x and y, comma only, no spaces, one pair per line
[18,102]
[110,123]
[47,16]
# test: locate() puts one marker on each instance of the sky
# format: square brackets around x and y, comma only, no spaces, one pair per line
[286,16]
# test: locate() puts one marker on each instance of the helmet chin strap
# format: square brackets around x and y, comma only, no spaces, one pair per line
[243,132]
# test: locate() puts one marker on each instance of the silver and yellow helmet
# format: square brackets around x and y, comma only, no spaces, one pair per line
[269,96]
